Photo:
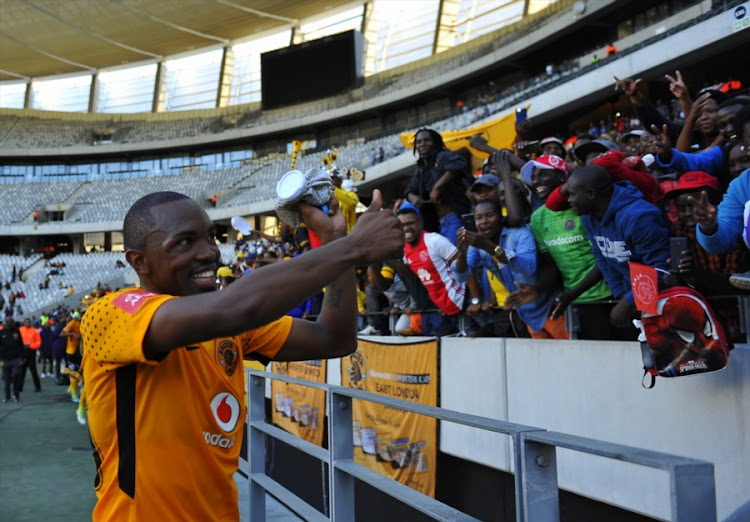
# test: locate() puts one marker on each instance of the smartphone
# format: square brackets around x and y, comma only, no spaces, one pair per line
[468,222]
[529,148]
[520,115]
[677,245]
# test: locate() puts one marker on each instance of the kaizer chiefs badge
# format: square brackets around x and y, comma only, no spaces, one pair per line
[228,356]
[357,370]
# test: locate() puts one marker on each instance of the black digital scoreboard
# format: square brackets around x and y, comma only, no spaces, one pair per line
[311,70]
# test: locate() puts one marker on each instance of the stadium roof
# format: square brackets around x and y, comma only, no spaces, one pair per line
[50,37]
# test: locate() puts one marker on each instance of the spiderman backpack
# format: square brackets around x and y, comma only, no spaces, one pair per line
[683,338]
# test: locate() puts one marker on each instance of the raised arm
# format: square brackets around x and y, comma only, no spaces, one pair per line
[267,237]
[679,90]
[643,108]
[268,293]
[684,140]
[719,229]
[501,166]
[480,143]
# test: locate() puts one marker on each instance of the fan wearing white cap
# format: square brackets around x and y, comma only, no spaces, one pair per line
[631,142]
[552,146]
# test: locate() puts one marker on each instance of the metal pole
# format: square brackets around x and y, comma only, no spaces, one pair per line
[340,447]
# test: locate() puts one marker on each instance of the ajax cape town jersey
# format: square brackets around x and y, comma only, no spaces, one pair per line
[166,434]
[427,259]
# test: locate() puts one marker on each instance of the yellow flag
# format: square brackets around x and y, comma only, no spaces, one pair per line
[500,133]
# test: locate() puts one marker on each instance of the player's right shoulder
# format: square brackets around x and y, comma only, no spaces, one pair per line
[127,301]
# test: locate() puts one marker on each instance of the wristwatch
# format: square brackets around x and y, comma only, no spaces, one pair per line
[474,300]
[498,252]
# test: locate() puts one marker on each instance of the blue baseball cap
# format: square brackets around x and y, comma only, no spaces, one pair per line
[408,207]
[488,180]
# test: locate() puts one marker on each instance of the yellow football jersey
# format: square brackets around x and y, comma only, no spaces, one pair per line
[167,433]
[73,326]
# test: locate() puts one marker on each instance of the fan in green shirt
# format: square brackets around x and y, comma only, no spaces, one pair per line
[561,240]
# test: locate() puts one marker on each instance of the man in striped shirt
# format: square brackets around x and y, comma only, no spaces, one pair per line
[430,255]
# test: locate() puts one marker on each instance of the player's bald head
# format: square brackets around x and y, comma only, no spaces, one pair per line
[139,220]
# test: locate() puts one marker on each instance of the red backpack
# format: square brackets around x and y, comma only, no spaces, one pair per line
[684,338]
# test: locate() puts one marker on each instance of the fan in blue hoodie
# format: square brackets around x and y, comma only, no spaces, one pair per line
[622,227]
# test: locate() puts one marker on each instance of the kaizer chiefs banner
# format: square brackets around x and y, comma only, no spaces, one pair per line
[298,409]
[398,444]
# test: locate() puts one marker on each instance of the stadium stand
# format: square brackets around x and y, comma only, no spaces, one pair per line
[37,133]
[7,262]
[82,272]
[97,199]
[77,170]
[23,198]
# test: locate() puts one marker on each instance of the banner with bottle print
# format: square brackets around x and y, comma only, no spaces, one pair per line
[398,444]
[300,410]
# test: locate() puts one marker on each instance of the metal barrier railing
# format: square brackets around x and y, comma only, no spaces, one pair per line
[573,323]
[692,487]
[572,315]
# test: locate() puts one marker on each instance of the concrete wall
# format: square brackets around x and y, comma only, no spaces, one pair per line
[593,389]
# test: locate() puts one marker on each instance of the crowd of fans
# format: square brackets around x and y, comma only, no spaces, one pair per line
[483,259]
[552,225]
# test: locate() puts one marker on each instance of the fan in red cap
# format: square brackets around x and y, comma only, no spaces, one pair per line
[694,180]
[710,274]
[545,161]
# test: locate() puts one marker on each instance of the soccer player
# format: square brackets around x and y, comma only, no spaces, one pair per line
[163,363]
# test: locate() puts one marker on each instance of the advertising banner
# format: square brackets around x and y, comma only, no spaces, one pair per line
[398,444]
[300,410]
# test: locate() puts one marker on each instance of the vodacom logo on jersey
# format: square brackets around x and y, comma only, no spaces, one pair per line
[226,410]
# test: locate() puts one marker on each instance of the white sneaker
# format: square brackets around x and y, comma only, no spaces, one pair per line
[740,280]
[369,330]
[81,419]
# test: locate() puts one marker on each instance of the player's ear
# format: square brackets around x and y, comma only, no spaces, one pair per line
[137,259]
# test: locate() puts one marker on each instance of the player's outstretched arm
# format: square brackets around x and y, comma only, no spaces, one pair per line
[269,293]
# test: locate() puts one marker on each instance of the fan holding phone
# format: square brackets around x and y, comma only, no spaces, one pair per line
[710,274]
